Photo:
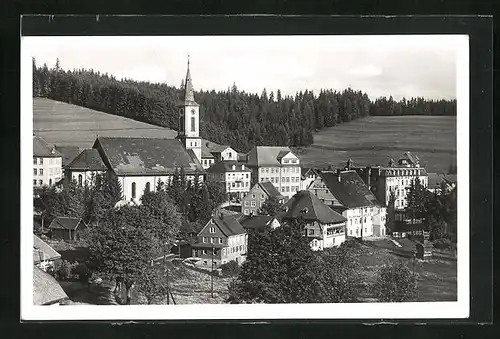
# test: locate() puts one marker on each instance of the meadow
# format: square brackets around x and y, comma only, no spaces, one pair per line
[367,141]
[374,140]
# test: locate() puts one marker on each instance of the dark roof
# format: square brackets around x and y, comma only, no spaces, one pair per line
[42,149]
[269,189]
[68,153]
[450,178]
[206,154]
[46,289]
[434,180]
[351,190]
[256,221]
[66,223]
[266,155]
[281,154]
[41,248]
[228,225]
[412,159]
[208,245]
[141,156]
[88,159]
[307,205]
[227,166]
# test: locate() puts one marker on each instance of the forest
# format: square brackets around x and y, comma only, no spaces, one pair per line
[231,117]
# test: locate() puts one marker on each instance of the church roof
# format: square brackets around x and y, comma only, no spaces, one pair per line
[188,95]
[88,159]
[141,156]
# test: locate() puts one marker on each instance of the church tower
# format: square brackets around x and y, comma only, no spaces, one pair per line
[189,118]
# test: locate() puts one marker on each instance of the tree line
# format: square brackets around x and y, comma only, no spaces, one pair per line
[233,117]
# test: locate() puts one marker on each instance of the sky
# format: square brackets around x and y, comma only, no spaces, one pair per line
[397,65]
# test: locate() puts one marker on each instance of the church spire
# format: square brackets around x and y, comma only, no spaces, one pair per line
[188,87]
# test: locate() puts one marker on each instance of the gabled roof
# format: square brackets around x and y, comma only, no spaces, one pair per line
[227,166]
[266,155]
[434,180]
[351,191]
[256,221]
[66,223]
[411,158]
[42,149]
[88,159]
[46,289]
[141,156]
[450,178]
[68,153]
[307,205]
[269,189]
[206,154]
[281,154]
[228,224]
[43,251]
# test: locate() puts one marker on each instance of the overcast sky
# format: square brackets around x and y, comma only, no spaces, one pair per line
[401,66]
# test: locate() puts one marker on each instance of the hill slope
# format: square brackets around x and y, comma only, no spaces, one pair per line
[70,125]
[374,140]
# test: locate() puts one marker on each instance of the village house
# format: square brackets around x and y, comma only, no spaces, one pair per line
[222,240]
[47,163]
[212,151]
[277,165]
[260,192]
[346,193]
[44,256]
[84,167]
[323,227]
[46,289]
[396,177]
[308,176]
[258,223]
[66,228]
[235,177]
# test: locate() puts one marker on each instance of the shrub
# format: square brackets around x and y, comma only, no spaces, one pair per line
[231,268]
[64,270]
[82,271]
[395,283]
[443,243]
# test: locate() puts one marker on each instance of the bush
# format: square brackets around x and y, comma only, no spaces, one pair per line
[230,269]
[351,243]
[395,283]
[64,270]
[443,244]
[82,271]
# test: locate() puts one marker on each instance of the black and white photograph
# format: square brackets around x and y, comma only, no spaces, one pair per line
[245,177]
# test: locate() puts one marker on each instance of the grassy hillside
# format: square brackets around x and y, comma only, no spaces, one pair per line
[65,124]
[374,140]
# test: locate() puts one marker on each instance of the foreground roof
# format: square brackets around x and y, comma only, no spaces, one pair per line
[266,155]
[351,191]
[307,205]
[88,159]
[228,224]
[42,149]
[66,223]
[141,156]
[46,289]
[256,221]
[43,251]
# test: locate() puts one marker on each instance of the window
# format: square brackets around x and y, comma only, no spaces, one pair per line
[229,154]
[40,182]
[246,211]
[282,189]
[272,180]
[310,232]
[246,184]
[133,189]
[288,188]
[253,196]
[287,179]
[253,203]
[148,187]
[204,239]
[80,181]
[246,203]
[223,251]
[35,161]
[50,182]
[232,185]
[285,161]
[220,240]
[351,222]
[193,119]
[350,232]
[212,230]
[34,182]
[262,196]
[205,253]
[34,171]
[272,169]
[41,161]
[41,171]
[267,170]
[211,240]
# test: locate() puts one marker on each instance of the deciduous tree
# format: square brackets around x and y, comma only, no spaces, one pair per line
[395,283]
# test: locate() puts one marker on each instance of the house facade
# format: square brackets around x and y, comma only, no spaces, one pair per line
[346,193]
[222,240]
[277,165]
[235,176]
[308,176]
[323,227]
[255,198]
[47,163]
[396,177]
[66,228]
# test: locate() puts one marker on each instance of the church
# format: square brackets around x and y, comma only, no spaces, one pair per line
[141,163]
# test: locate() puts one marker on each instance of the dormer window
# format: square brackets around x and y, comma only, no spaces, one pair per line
[234,167]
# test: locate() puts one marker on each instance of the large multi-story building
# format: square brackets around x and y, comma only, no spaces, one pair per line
[47,163]
[235,176]
[346,193]
[277,165]
[396,177]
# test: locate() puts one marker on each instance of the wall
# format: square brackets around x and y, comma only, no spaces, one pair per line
[379,220]
[236,250]
[86,175]
[255,195]
[229,154]
[207,162]
[51,168]
[361,217]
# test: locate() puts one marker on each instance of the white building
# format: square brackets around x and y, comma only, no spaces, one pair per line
[47,163]
[277,165]
[85,167]
[235,176]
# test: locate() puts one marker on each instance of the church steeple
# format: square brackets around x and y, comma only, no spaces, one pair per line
[188,87]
